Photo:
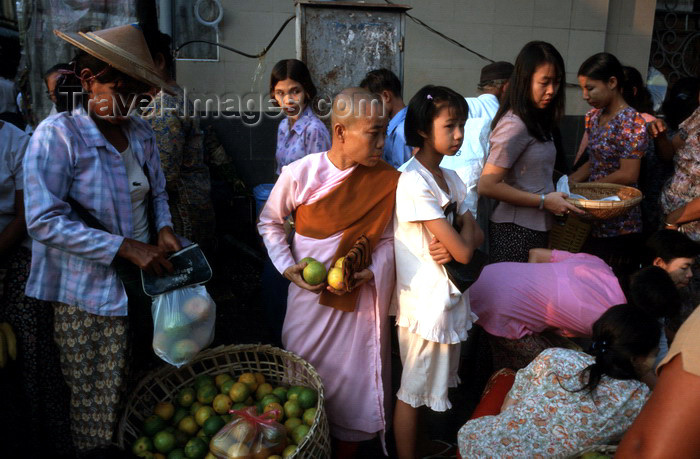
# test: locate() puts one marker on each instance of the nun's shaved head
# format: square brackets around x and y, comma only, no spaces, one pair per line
[354,103]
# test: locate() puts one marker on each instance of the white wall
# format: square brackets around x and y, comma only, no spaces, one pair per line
[495,28]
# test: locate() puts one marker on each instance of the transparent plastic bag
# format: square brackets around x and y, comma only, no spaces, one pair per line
[248,435]
[183,324]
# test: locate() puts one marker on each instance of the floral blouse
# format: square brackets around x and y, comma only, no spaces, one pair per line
[307,135]
[684,186]
[547,420]
[623,137]
[182,156]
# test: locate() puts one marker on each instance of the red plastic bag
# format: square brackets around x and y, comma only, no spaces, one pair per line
[249,436]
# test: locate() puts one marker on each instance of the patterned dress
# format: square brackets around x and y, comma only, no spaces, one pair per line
[547,420]
[684,186]
[623,137]
[182,151]
[307,135]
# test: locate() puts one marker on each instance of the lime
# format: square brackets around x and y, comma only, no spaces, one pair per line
[292,409]
[180,413]
[259,378]
[222,403]
[307,398]
[238,406]
[277,408]
[177,454]
[142,445]
[203,380]
[280,393]
[263,390]
[270,399]
[309,416]
[206,394]
[227,417]
[152,425]
[184,350]
[314,273]
[195,407]
[196,448]
[336,278]
[307,260]
[291,423]
[289,450]
[203,414]
[203,435]
[226,387]
[293,393]
[239,392]
[188,425]
[186,397]
[213,425]
[164,441]
[165,410]
[181,438]
[299,433]
[250,380]
[222,378]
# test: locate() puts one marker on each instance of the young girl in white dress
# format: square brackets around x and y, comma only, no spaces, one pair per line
[432,315]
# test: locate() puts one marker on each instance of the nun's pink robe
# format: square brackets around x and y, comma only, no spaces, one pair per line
[350,350]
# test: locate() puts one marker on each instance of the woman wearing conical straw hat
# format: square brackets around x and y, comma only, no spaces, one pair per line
[97,210]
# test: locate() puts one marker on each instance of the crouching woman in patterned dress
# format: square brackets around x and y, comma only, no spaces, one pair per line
[566,400]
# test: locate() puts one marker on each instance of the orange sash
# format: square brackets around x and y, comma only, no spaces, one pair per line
[362,204]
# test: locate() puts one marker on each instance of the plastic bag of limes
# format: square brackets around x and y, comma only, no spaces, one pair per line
[183,324]
[249,435]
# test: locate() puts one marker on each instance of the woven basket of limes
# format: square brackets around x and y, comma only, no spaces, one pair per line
[238,401]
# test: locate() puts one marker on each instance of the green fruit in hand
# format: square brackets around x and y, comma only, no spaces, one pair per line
[307,260]
[164,441]
[292,409]
[196,448]
[213,425]
[314,273]
[152,425]
[307,398]
[186,397]
[299,433]
[309,416]
[142,445]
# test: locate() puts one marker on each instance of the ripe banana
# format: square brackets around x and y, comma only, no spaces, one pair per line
[11,339]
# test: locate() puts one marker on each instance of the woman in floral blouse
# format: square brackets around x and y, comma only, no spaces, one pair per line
[566,400]
[617,140]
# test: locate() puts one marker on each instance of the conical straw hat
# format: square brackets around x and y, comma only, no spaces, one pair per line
[123,47]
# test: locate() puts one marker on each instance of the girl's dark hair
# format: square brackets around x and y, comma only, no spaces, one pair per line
[653,291]
[635,92]
[620,334]
[425,106]
[602,67]
[69,89]
[681,101]
[540,123]
[296,70]
[161,43]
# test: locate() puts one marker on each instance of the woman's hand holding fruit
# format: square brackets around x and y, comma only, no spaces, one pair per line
[361,277]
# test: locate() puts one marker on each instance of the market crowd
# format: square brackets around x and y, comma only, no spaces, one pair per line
[596,347]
